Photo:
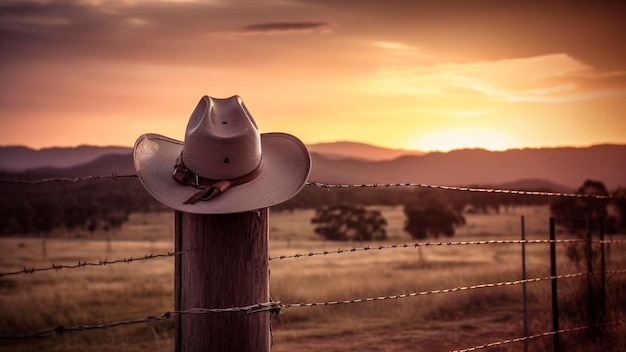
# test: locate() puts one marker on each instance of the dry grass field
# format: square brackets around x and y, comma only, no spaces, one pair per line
[432,322]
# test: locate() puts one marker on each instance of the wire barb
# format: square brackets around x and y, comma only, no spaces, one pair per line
[60,329]
[83,264]
[451,243]
[276,306]
[329,186]
[113,176]
[543,334]
[449,290]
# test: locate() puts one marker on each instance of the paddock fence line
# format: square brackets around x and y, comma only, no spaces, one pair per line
[543,334]
[275,307]
[330,186]
[106,261]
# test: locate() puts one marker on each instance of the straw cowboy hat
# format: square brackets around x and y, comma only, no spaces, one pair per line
[224,165]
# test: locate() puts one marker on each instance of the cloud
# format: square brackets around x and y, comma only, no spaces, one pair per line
[286,27]
[275,28]
[546,78]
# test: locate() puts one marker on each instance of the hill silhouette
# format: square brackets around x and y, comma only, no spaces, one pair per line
[569,167]
[108,164]
[355,150]
[566,168]
[20,158]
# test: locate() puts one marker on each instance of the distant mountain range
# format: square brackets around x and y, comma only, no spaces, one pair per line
[354,150]
[566,166]
[20,158]
[556,169]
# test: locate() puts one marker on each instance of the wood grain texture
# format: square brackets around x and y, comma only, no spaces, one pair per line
[224,264]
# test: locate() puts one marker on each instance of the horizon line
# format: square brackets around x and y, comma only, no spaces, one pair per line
[390,148]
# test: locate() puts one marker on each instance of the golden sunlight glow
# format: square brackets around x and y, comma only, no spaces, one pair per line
[450,139]
[393,75]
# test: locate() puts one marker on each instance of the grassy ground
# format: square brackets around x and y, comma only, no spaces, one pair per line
[433,322]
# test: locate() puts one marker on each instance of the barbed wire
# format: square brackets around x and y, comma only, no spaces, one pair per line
[543,334]
[449,290]
[330,186]
[464,189]
[113,176]
[276,306]
[439,244]
[82,264]
[60,329]
[106,261]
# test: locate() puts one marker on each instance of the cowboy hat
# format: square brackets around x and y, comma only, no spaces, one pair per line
[224,164]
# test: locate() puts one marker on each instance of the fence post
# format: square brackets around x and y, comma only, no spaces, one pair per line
[602,273]
[555,297]
[524,299]
[591,314]
[224,263]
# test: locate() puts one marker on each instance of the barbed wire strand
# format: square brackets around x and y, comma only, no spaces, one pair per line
[276,306]
[464,189]
[449,290]
[82,264]
[113,176]
[433,244]
[100,262]
[345,185]
[543,334]
[60,329]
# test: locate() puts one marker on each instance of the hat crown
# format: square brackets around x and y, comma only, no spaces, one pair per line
[222,140]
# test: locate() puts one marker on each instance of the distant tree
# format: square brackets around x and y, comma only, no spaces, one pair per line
[431,217]
[114,220]
[92,226]
[45,217]
[345,222]
[581,214]
[582,217]
[74,216]
[620,207]
[17,217]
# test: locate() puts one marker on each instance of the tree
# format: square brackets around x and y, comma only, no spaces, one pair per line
[74,216]
[574,213]
[345,222]
[431,217]
[583,216]
[45,217]
[620,206]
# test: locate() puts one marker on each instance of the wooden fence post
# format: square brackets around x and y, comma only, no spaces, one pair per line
[224,263]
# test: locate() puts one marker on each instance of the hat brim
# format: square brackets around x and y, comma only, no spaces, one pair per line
[286,167]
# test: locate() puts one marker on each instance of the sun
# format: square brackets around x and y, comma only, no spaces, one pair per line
[450,139]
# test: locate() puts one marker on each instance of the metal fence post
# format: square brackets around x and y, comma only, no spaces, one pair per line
[555,296]
[224,263]
[524,297]
[603,274]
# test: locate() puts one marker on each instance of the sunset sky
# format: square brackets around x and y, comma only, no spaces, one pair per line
[427,75]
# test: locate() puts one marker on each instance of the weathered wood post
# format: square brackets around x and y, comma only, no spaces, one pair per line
[224,263]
